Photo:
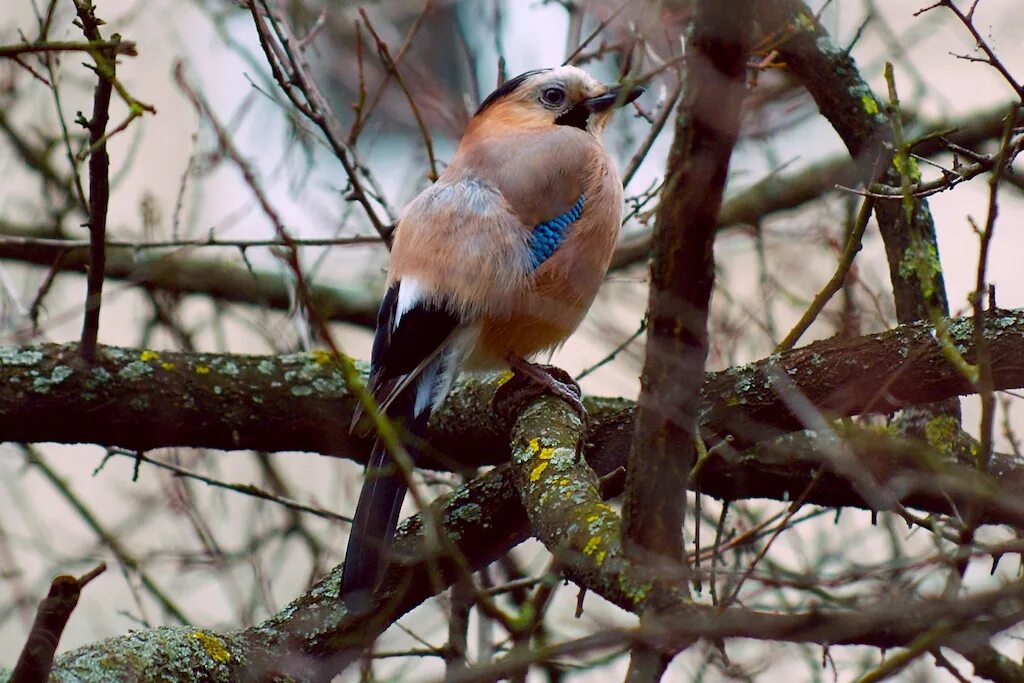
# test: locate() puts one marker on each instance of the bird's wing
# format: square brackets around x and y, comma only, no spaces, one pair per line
[411,334]
[462,248]
[416,355]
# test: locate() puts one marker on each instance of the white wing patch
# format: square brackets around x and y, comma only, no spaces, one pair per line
[408,296]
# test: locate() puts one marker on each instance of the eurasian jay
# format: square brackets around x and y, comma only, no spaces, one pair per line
[497,261]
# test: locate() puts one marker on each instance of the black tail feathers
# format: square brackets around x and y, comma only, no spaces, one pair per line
[373,528]
[376,516]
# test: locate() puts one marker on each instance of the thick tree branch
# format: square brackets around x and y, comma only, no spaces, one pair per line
[831,76]
[682,277]
[565,505]
[142,399]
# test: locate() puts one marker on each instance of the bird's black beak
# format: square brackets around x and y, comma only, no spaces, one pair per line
[618,96]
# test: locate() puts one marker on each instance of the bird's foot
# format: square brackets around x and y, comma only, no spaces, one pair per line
[530,381]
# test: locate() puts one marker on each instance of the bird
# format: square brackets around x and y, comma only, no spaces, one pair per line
[494,263]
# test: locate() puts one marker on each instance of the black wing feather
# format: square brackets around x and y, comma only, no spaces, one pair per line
[421,330]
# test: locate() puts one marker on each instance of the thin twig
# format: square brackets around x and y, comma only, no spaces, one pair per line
[850,251]
[392,67]
[246,489]
[118,47]
[571,59]
[364,110]
[109,539]
[990,56]
[294,75]
[983,359]
[55,243]
[668,107]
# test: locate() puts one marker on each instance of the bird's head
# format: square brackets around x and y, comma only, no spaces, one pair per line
[563,96]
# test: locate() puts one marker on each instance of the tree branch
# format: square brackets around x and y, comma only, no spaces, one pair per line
[141,400]
[179,271]
[314,637]
[831,76]
[682,277]
[99,182]
[36,658]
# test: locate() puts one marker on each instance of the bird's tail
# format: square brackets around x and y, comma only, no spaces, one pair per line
[373,527]
[384,485]
[380,503]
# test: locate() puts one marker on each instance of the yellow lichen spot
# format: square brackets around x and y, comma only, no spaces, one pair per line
[907,166]
[321,357]
[148,356]
[803,22]
[214,647]
[564,481]
[542,452]
[537,471]
[636,590]
[593,548]
[167,365]
[504,377]
[870,104]
[202,369]
[602,510]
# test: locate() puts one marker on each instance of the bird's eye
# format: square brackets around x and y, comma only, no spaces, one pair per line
[553,97]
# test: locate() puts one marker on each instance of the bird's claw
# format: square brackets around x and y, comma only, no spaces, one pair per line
[529,382]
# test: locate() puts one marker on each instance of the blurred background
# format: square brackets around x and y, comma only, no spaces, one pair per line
[180,549]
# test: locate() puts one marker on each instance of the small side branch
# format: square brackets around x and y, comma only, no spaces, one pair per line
[36,658]
[99,179]
[119,47]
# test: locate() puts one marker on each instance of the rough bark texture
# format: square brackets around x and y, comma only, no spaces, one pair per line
[861,120]
[682,277]
[142,399]
[314,636]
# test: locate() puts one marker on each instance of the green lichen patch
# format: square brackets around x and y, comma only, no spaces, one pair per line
[329,587]
[43,385]
[332,384]
[870,104]
[97,377]
[228,367]
[943,433]
[15,356]
[470,513]
[135,370]
[160,654]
